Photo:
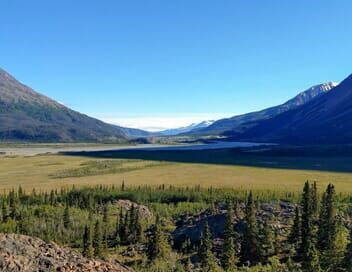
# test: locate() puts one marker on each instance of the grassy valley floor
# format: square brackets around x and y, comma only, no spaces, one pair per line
[45,172]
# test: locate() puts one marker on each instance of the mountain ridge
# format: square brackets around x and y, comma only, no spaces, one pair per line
[324,120]
[235,122]
[26,115]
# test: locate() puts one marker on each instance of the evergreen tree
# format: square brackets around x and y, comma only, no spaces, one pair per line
[207,259]
[307,224]
[267,242]
[311,259]
[66,217]
[327,222]
[117,231]
[5,213]
[138,228]
[13,205]
[97,240]
[347,260]
[250,242]
[122,227]
[229,259]
[87,242]
[295,234]
[105,227]
[157,247]
[315,204]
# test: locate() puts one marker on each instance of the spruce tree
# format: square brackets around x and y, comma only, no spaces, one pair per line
[347,260]
[157,247]
[122,227]
[307,224]
[66,217]
[5,213]
[117,231]
[87,242]
[250,242]
[207,259]
[295,234]
[327,221]
[97,240]
[229,259]
[267,242]
[315,204]
[311,261]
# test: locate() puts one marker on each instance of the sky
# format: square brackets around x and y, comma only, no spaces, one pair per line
[157,64]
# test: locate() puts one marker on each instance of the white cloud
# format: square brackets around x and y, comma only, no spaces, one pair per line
[160,122]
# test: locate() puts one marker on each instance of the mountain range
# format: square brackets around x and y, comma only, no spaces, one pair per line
[186,129]
[240,122]
[326,119]
[26,115]
[321,114]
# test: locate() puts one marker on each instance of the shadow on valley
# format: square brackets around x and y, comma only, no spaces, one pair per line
[338,159]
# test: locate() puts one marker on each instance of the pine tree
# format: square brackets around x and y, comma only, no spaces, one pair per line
[327,221]
[307,224]
[66,217]
[87,242]
[105,227]
[311,259]
[5,213]
[250,242]
[207,259]
[267,242]
[122,227]
[315,204]
[295,234]
[157,247]
[138,228]
[347,260]
[229,259]
[13,205]
[117,231]
[97,240]
[132,224]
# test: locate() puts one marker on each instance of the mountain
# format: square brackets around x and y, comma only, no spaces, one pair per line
[235,122]
[324,120]
[190,128]
[26,115]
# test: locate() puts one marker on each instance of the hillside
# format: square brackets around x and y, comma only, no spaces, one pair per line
[324,120]
[26,115]
[234,123]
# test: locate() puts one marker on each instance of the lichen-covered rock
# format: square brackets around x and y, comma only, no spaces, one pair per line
[20,253]
[144,212]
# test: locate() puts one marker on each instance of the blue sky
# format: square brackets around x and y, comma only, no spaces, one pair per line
[158,63]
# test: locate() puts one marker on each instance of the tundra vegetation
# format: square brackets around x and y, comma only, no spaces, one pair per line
[254,236]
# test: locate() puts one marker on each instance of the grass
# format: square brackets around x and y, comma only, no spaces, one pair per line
[47,172]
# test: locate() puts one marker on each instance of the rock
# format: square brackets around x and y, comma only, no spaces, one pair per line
[144,212]
[191,226]
[29,254]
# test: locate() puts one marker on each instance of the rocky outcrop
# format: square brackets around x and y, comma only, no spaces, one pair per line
[144,212]
[29,254]
[191,226]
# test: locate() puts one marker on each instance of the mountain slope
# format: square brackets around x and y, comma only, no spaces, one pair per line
[26,115]
[326,119]
[233,123]
[190,128]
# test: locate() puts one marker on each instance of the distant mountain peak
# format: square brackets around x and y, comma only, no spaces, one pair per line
[186,129]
